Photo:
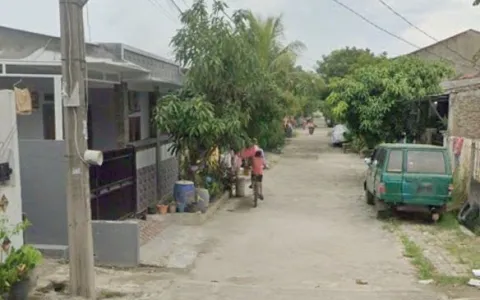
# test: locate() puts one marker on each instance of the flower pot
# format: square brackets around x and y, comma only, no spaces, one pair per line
[162,209]
[172,208]
[19,290]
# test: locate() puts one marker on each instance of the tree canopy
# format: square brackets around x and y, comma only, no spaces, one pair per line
[378,102]
[242,80]
[339,63]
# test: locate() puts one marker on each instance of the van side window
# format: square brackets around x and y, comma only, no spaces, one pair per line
[381,156]
[395,161]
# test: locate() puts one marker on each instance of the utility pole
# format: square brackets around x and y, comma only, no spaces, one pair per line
[80,241]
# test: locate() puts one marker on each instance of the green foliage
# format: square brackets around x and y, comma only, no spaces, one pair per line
[195,129]
[342,62]
[241,82]
[380,101]
[18,263]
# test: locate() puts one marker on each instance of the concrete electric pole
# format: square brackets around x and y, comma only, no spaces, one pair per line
[80,241]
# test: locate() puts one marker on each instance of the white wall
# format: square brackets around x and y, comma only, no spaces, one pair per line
[30,126]
[9,153]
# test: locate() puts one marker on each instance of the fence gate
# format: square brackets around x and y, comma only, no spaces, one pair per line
[113,185]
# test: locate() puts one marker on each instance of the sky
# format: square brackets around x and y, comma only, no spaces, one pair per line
[322,25]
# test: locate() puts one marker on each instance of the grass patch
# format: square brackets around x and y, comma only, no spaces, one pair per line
[465,249]
[449,221]
[425,269]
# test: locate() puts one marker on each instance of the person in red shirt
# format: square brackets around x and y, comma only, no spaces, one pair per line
[257,171]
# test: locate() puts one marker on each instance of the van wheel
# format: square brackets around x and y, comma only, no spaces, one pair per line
[383,210]
[369,198]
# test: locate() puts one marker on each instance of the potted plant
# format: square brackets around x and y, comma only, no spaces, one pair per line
[162,209]
[16,265]
[18,268]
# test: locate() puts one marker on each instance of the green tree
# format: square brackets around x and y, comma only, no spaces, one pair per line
[476,2]
[378,102]
[339,63]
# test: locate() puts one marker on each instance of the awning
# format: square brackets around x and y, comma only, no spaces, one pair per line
[111,66]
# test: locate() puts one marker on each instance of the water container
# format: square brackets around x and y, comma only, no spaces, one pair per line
[240,186]
[184,193]
[203,195]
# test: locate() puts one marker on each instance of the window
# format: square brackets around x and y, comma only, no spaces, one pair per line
[395,161]
[134,127]
[152,102]
[432,162]
[380,157]
[134,117]
[48,116]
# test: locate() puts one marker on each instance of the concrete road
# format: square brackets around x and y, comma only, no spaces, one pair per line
[313,237]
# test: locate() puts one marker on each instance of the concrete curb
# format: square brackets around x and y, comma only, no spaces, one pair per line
[196,219]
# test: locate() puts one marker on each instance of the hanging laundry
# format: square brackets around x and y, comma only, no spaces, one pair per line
[23,101]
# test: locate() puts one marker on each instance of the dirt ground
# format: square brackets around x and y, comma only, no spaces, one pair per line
[313,237]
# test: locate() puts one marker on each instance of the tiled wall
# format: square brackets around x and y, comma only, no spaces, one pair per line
[167,172]
[146,161]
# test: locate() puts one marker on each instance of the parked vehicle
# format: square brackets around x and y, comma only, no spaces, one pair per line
[409,177]
[338,135]
[329,123]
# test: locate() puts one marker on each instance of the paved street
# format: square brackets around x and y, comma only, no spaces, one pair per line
[312,238]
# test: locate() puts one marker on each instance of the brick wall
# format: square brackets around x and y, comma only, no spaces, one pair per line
[464,114]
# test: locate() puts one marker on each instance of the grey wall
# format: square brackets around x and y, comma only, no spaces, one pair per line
[43,168]
[116,243]
[104,132]
[466,43]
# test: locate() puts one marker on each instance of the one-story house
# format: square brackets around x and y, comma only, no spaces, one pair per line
[462,52]
[123,86]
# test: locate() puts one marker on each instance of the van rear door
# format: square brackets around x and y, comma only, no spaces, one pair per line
[427,177]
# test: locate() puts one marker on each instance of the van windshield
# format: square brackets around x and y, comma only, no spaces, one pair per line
[431,162]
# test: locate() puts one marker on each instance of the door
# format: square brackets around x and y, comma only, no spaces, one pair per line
[378,159]
[393,176]
[427,177]
[48,111]
[369,174]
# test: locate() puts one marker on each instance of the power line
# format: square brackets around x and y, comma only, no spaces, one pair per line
[162,10]
[389,7]
[375,25]
[176,6]
[391,33]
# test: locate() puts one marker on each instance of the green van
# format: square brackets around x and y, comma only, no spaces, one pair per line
[409,177]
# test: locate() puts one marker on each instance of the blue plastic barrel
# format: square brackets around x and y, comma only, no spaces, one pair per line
[184,193]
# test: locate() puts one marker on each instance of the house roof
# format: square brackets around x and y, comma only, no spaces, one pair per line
[49,42]
[476,32]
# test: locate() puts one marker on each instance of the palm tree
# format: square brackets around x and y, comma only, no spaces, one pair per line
[268,34]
